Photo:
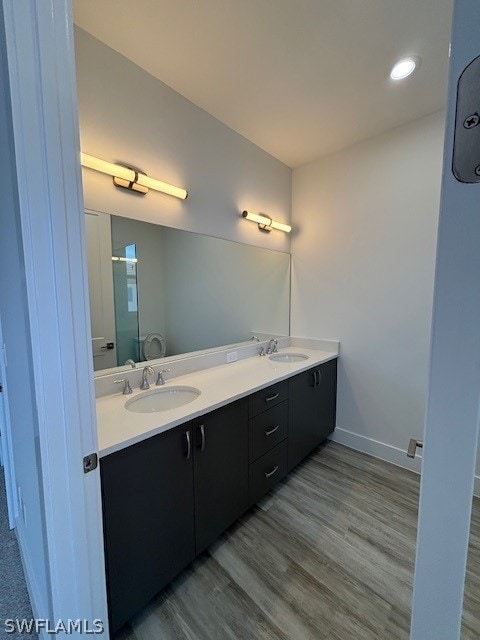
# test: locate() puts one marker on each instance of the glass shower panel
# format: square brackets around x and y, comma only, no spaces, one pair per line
[124,263]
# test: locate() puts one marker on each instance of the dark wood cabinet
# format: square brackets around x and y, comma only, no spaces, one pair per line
[312,410]
[148,514]
[265,472]
[220,471]
[267,430]
[267,398]
[169,497]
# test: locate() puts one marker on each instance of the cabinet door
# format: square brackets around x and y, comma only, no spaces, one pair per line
[312,406]
[148,512]
[326,399]
[301,424]
[221,471]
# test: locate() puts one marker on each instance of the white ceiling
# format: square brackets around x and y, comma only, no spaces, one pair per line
[299,78]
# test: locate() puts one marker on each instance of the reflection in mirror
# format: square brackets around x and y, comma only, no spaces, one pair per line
[157,291]
[124,265]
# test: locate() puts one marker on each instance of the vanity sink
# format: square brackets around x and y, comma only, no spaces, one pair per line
[162,399]
[288,357]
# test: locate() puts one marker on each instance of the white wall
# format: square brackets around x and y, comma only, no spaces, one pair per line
[127,115]
[363,269]
[19,370]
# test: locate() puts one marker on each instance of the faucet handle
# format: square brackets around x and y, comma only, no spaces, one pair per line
[127,389]
[160,380]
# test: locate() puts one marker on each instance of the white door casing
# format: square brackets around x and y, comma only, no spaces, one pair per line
[40,51]
[452,415]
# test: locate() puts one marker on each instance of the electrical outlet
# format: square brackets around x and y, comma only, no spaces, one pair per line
[232,356]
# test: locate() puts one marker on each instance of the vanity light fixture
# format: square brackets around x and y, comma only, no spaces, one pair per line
[130,178]
[265,223]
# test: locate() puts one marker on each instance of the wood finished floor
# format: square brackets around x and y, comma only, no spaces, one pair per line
[328,555]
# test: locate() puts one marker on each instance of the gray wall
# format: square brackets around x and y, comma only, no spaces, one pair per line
[127,115]
[19,377]
[363,269]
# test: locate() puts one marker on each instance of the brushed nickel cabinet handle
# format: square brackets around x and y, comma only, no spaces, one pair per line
[270,398]
[189,444]
[202,433]
[269,433]
[271,473]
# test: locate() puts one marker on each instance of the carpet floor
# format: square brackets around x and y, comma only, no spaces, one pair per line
[14,600]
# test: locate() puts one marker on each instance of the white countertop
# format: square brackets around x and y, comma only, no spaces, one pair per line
[119,428]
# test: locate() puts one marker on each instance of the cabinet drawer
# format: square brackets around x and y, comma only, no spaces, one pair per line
[267,398]
[267,429]
[267,471]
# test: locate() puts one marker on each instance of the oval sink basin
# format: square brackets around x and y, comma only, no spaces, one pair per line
[288,357]
[162,399]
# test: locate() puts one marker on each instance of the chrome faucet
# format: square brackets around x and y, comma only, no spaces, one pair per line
[272,346]
[146,370]
[127,389]
[131,363]
[160,379]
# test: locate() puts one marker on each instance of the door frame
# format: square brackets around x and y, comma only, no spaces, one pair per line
[452,414]
[41,68]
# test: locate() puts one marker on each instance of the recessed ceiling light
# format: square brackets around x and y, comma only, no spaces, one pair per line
[404,68]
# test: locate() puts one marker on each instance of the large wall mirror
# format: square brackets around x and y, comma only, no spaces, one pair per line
[157,292]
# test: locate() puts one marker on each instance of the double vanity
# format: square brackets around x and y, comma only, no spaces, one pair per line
[182,461]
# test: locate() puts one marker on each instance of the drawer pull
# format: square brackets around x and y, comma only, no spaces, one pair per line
[271,473]
[270,398]
[269,432]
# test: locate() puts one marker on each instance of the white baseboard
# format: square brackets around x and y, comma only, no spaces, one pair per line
[39,607]
[384,451]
